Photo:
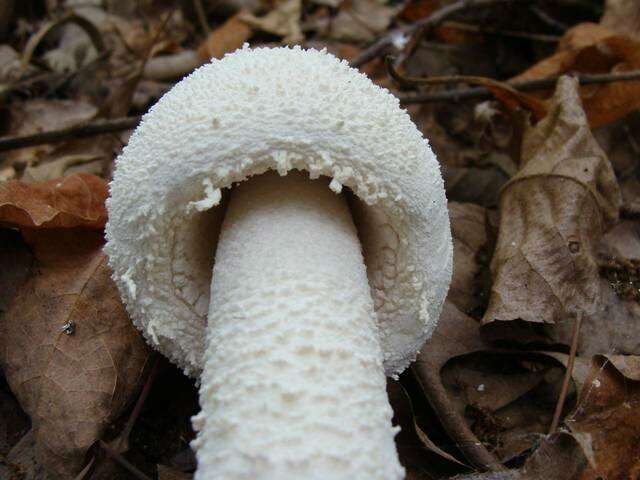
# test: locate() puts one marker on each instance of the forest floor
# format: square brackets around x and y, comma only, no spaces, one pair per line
[531,107]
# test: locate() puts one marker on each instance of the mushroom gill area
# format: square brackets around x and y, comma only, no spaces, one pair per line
[195,246]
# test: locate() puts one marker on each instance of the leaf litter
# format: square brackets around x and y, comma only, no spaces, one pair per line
[544,190]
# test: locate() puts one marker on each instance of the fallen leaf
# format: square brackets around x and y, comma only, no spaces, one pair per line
[417,9]
[553,213]
[614,325]
[455,335]
[73,201]
[623,16]
[606,423]
[22,461]
[64,165]
[411,436]
[72,386]
[67,347]
[623,241]
[361,20]
[558,457]
[592,48]
[228,37]
[283,20]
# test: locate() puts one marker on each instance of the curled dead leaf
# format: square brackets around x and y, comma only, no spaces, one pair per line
[73,201]
[228,37]
[553,213]
[606,423]
[592,48]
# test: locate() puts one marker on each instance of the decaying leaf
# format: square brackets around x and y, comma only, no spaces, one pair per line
[606,421]
[553,213]
[592,48]
[468,232]
[455,335]
[622,15]
[361,20]
[412,440]
[614,325]
[73,201]
[283,20]
[228,37]
[68,349]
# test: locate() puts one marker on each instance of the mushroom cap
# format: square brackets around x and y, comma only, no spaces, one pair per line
[275,109]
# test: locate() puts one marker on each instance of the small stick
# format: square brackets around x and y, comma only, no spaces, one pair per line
[548,19]
[431,21]
[567,374]
[123,462]
[537,37]
[202,16]
[86,129]
[97,127]
[472,448]
[484,93]
[135,413]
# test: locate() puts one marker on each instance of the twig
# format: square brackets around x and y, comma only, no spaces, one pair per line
[85,471]
[537,37]
[453,423]
[433,20]
[548,19]
[123,438]
[484,93]
[89,28]
[82,130]
[567,374]
[123,462]
[469,79]
[202,16]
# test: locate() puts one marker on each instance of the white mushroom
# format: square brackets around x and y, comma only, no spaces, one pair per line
[315,295]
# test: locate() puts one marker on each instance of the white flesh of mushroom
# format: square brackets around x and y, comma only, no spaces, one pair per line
[293,385]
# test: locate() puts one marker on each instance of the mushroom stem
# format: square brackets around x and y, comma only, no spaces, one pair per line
[293,383]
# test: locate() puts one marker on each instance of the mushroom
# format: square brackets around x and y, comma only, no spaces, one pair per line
[324,209]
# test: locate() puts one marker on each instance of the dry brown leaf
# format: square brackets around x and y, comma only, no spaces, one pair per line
[72,386]
[553,214]
[606,421]
[623,16]
[361,20]
[468,232]
[228,37]
[456,334]
[623,241]
[613,327]
[73,201]
[283,20]
[412,440]
[592,48]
